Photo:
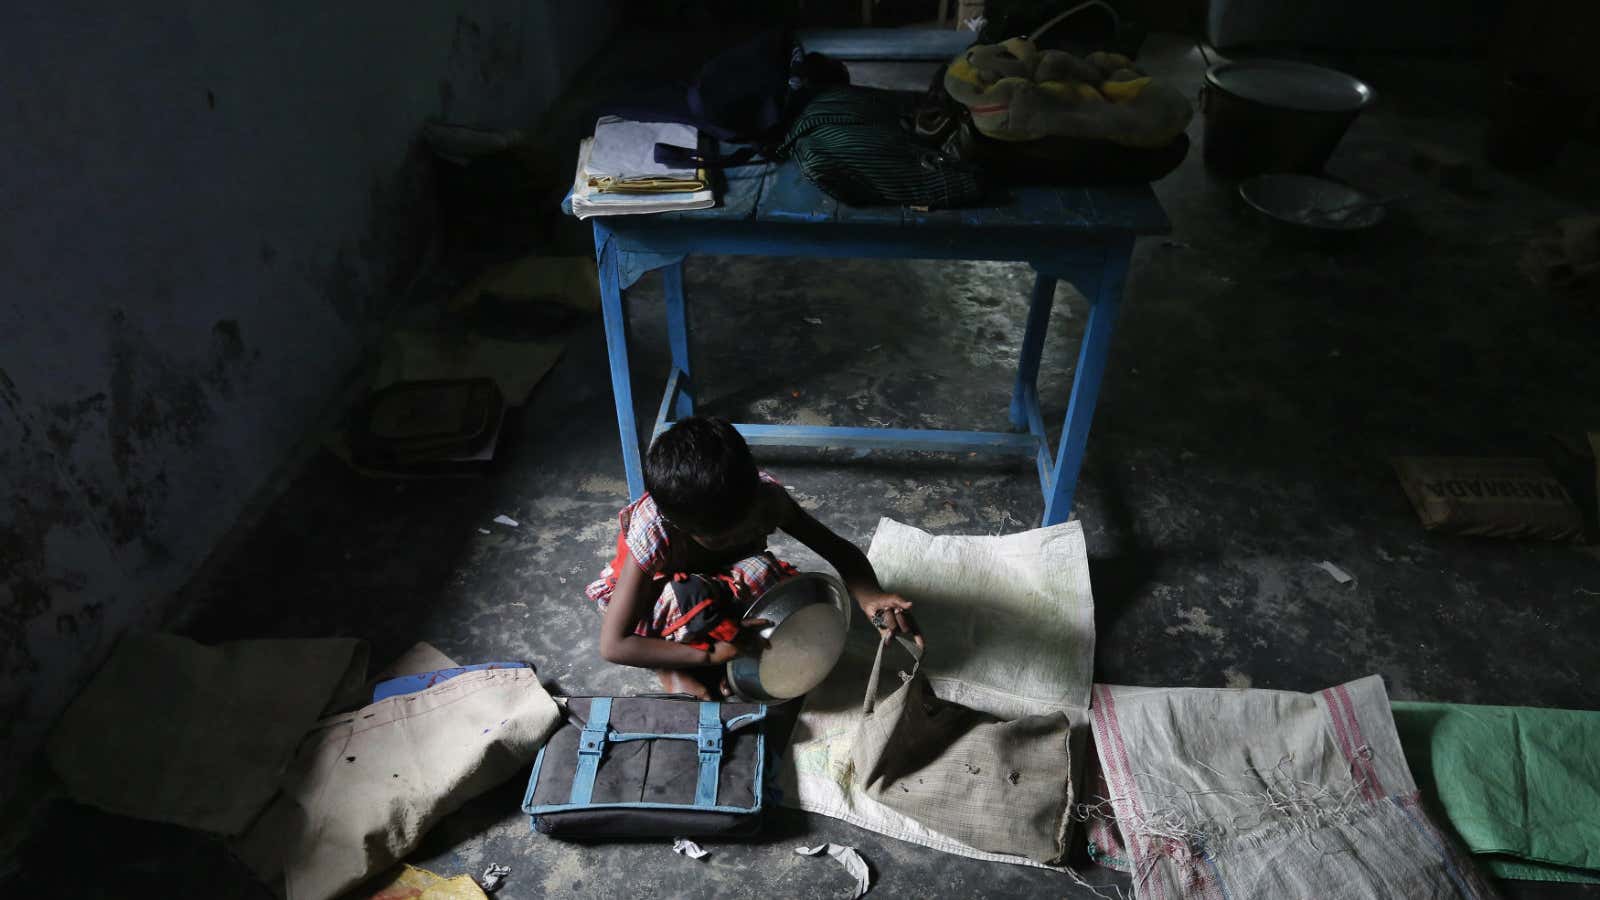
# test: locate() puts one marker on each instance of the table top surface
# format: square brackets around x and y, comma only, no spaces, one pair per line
[779,194]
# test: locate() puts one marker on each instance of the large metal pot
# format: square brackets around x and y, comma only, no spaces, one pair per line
[810,616]
[1277,115]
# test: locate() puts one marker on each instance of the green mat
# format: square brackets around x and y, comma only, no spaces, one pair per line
[1520,785]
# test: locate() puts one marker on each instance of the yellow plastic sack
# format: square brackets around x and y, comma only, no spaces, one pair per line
[412,883]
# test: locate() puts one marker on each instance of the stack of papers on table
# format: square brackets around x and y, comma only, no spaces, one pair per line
[624,158]
[617,173]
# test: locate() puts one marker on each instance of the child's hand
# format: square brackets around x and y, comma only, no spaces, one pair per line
[748,643]
[721,652]
[890,614]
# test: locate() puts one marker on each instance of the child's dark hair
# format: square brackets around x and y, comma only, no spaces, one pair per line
[701,474]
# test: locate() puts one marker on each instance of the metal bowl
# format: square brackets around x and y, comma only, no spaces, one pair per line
[810,616]
[1307,201]
[1274,115]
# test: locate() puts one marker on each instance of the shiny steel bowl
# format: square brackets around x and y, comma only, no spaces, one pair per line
[810,616]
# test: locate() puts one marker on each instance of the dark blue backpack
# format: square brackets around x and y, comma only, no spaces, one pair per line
[747,94]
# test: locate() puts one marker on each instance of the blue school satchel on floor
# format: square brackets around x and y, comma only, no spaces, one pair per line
[651,767]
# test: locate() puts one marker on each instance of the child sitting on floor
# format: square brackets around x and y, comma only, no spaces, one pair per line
[692,555]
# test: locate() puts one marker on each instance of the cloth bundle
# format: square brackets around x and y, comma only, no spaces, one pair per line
[1017,92]
[1264,795]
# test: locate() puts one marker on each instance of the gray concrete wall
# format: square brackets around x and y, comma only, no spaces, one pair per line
[206,211]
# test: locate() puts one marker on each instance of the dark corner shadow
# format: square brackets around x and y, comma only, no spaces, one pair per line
[75,852]
[340,554]
[1118,579]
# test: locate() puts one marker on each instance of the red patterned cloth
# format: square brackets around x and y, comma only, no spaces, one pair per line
[663,550]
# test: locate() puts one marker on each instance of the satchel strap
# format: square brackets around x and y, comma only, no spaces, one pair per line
[877,668]
[708,738]
[710,742]
[591,746]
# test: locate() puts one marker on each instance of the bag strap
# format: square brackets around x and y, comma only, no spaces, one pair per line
[877,669]
[708,738]
[684,158]
[710,743]
[1116,20]
[591,746]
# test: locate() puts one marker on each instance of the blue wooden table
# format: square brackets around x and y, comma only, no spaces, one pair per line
[1082,235]
[887,44]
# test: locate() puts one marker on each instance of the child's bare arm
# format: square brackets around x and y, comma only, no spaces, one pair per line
[630,603]
[890,613]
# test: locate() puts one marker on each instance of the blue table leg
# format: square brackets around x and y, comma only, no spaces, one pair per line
[1104,301]
[678,337]
[1044,299]
[616,323]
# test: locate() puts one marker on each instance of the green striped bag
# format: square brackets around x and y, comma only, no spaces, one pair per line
[849,142]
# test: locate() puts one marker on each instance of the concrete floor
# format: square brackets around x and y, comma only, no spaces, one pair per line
[1258,383]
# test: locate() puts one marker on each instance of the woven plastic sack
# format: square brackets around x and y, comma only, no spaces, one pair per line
[1269,795]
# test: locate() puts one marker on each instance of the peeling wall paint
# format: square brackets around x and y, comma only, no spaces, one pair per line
[208,209]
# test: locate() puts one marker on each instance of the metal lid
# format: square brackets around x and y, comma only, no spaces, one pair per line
[1291,85]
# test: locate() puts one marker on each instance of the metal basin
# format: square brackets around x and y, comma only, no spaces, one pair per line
[1273,115]
[1310,202]
[810,616]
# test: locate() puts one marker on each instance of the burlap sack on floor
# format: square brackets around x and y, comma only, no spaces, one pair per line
[1010,626]
[1003,786]
[367,785]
